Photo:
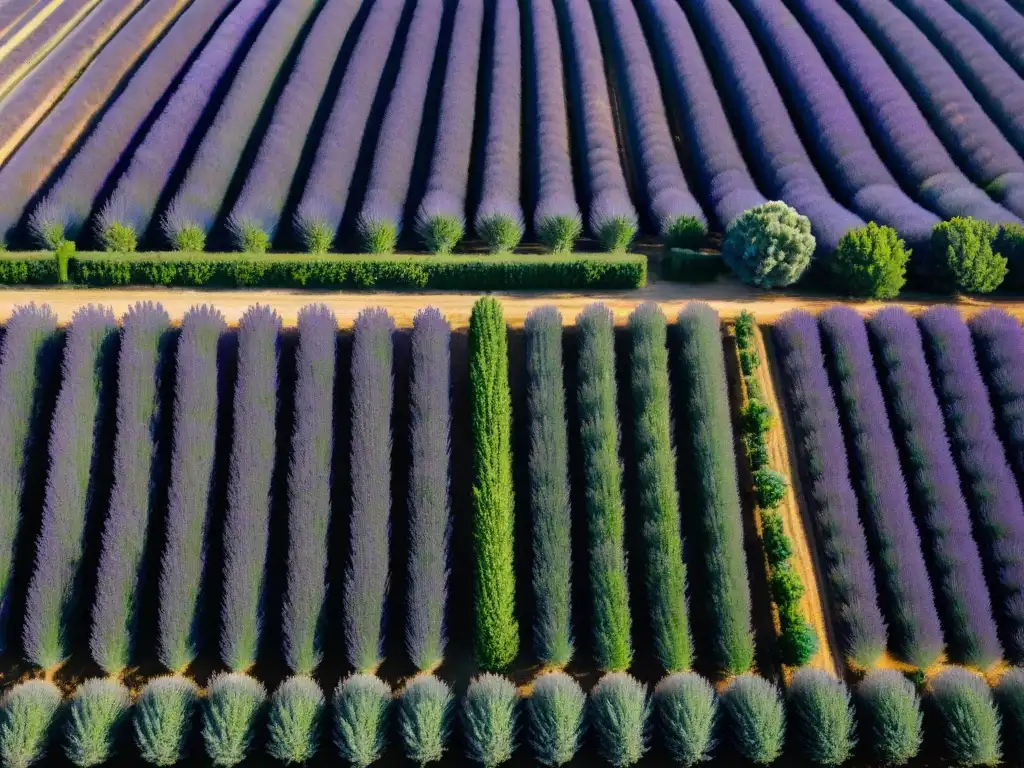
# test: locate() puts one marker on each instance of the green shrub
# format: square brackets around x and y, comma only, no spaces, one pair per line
[293,720]
[684,232]
[616,233]
[1010,244]
[27,713]
[163,719]
[771,487]
[889,715]
[28,268]
[964,717]
[1009,693]
[252,239]
[963,250]
[425,712]
[441,233]
[51,236]
[231,713]
[189,239]
[757,450]
[685,266]
[119,238]
[769,246]
[756,418]
[618,712]
[821,716]
[743,327]
[655,460]
[559,233]
[378,235]
[787,588]
[317,236]
[92,724]
[777,546]
[686,710]
[362,706]
[501,232]
[754,718]
[556,714]
[489,720]
[871,262]
[599,444]
[63,254]
[798,642]
[497,631]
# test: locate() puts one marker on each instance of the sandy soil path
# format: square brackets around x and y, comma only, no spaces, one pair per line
[728,297]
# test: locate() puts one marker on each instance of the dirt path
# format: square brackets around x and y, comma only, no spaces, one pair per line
[795,516]
[727,296]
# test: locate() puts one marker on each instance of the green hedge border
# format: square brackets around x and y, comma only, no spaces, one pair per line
[358,272]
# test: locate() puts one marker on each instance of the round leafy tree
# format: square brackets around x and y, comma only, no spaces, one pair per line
[769,246]
[963,248]
[870,261]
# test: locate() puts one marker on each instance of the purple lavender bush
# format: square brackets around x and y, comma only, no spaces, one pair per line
[131,205]
[441,219]
[138,474]
[309,490]
[327,189]
[56,605]
[1000,23]
[193,211]
[380,221]
[943,518]
[247,522]
[822,454]
[366,577]
[28,360]
[429,501]
[985,474]
[191,491]
[906,591]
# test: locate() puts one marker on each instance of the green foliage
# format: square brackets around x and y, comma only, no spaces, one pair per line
[787,588]
[777,546]
[231,714]
[119,238]
[749,361]
[559,233]
[1010,243]
[683,232]
[27,714]
[378,235]
[744,327]
[252,239]
[556,712]
[602,471]
[963,249]
[1009,693]
[51,236]
[616,234]
[757,450]
[497,631]
[964,716]
[441,233]
[871,262]
[889,715]
[501,232]
[821,716]
[293,720]
[63,254]
[489,720]
[686,711]
[163,719]
[317,236]
[28,269]
[685,266]
[425,712]
[189,239]
[797,641]
[664,574]
[756,417]
[771,487]
[362,705]
[361,272]
[769,246]
[618,716]
[755,718]
[92,724]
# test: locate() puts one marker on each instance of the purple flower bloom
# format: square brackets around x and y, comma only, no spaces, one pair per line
[1001,25]
[942,515]
[309,489]
[247,523]
[138,473]
[985,473]
[822,455]
[56,604]
[885,506]
[366,577]
[197,383]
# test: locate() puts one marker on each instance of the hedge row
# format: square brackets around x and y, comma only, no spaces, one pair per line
[478,273]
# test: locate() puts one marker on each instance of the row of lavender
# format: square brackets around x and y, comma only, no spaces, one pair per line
[908,437]
[841,110]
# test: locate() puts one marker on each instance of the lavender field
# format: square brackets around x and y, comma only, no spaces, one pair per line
[441,125]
